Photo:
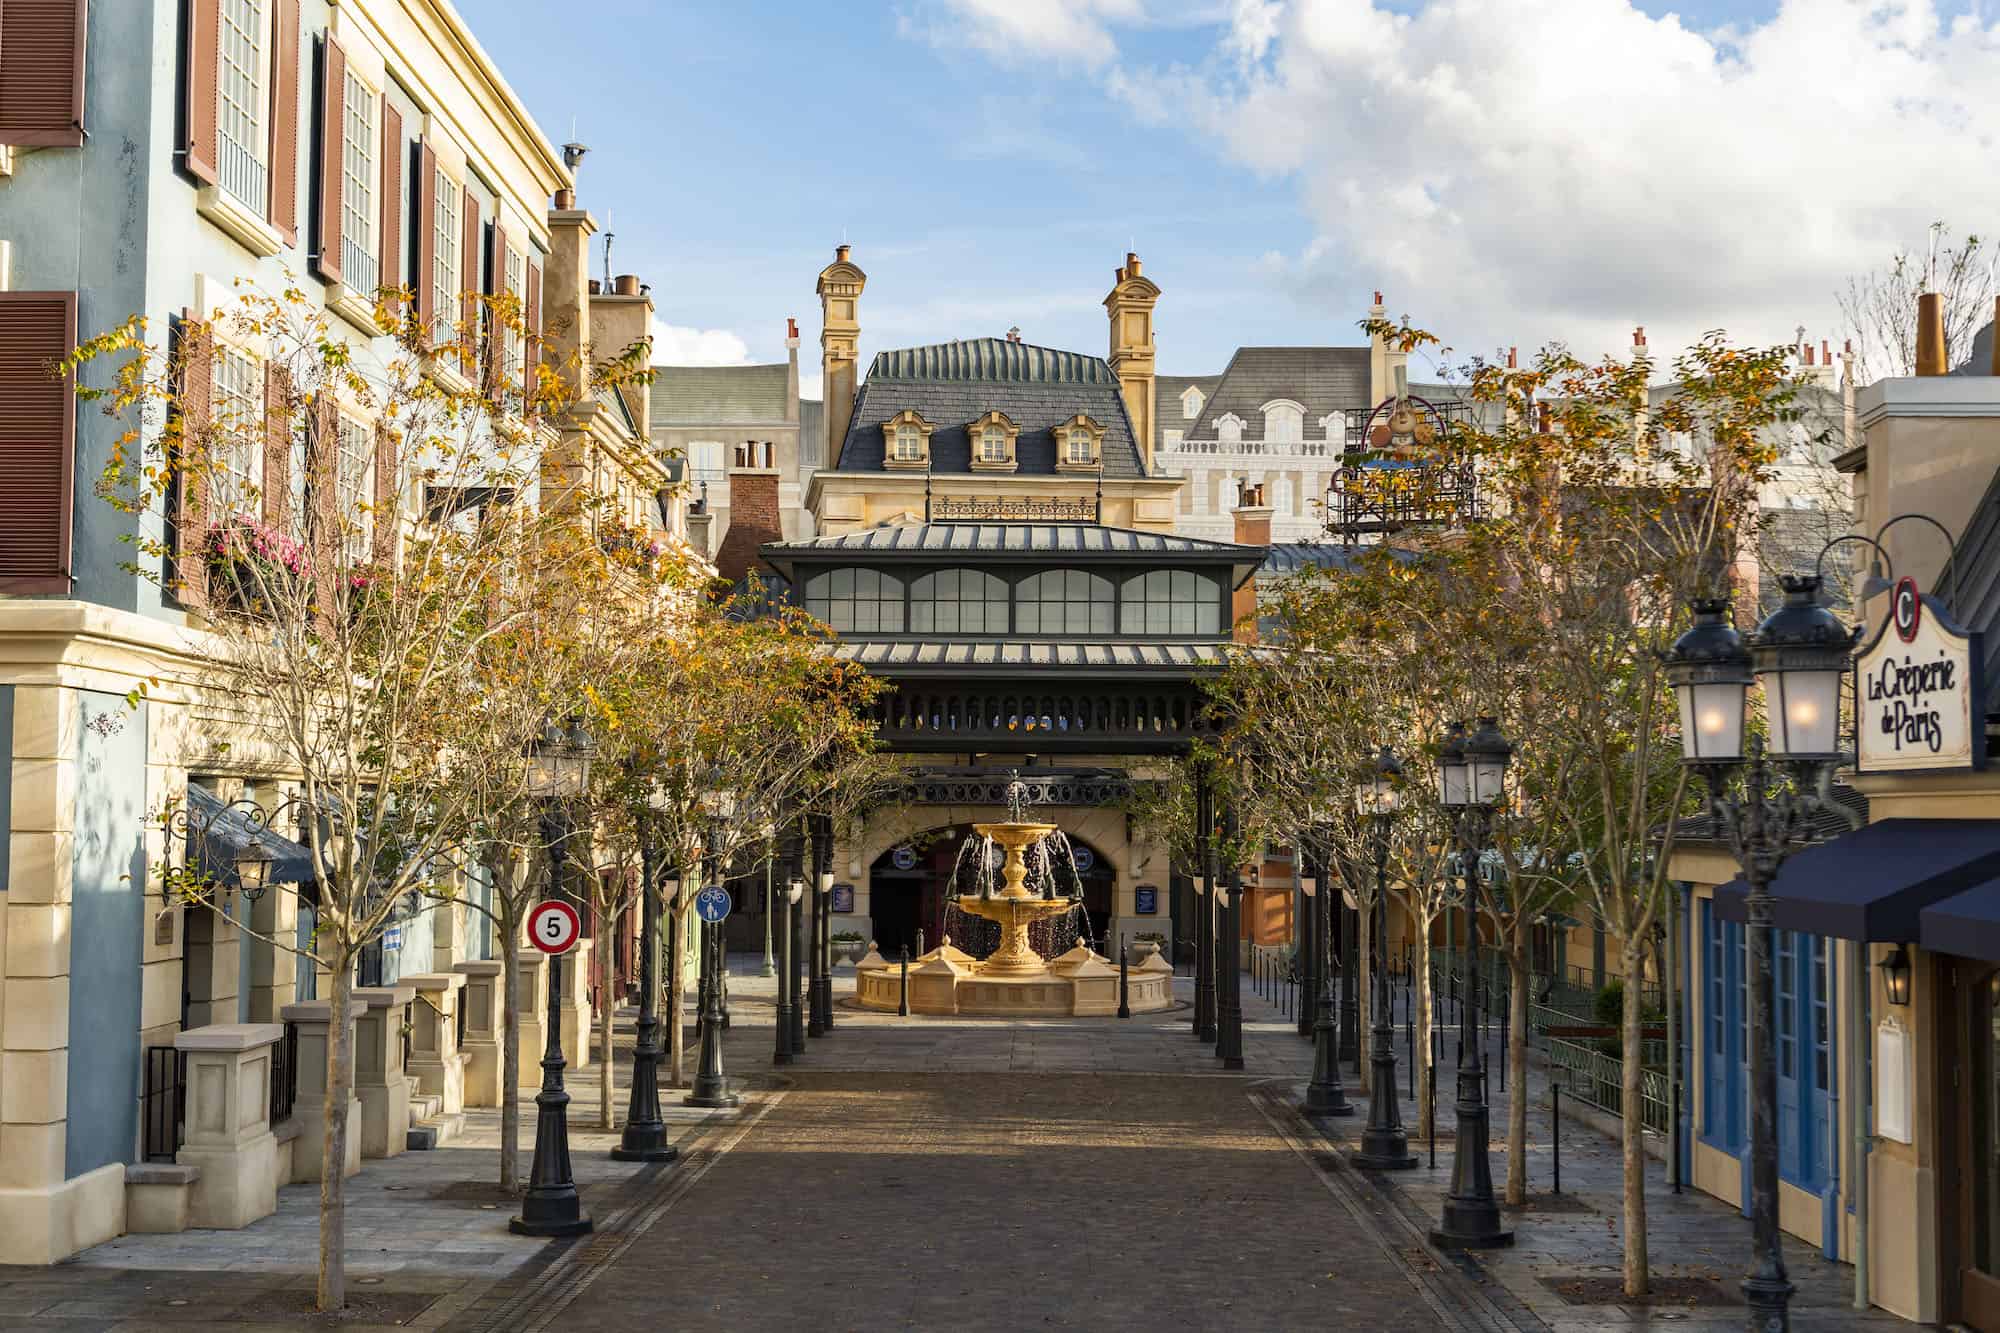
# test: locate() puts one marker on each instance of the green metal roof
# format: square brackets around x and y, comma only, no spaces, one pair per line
[991,359]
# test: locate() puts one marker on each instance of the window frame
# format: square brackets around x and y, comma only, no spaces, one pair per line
[239,419]
[892,432]
[1210,606]
[447,275]
[361,141]
[1010,434]
[262,71]
[354,494]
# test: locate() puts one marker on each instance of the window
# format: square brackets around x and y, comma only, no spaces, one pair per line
[516,281]
[354,487]
[240,109]
[958,601]
[1063,601]
[239,433]
[906,439]
[445,283]
[993,437]
[1284,422]
[1284,495]
[1191,402]
[358,266]
[1171,601]
[857,601]
[1080,450]
[1173,441]
[705,460]
[992,445]
[1229,429]
[909,444]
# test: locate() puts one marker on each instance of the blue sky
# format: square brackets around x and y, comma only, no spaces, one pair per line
[1568,171]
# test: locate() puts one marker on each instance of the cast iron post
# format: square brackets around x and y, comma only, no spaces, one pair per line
[1205,913]
[1324,1095]
[551,1206]
[1306,952]
[823,856]
[1350,980]
[1124,996]
[781,1051]
[711,1087]
[645,1137]
[1229,1015]
[1471,1212]
[1384,1145]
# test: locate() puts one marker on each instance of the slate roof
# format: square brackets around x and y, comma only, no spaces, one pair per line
[953,657]
[951,384]
[713,395]
[1980,362]
[1291,557]
[1320,379]
[1080,542]
[1167,411]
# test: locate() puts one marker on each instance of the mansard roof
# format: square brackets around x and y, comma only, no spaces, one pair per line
[1320,379]
[719,395]
[953,384]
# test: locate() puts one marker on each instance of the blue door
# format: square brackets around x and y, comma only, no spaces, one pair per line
[1723,1087]
[1787,961]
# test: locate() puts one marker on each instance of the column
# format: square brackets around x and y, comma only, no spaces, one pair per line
[530,1010]
[227,1127]
[436,1064]
[274,972]
[484,1004]
[379,1078]
[576,1015]
[314,1019]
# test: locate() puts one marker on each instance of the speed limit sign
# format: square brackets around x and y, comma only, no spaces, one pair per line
[553,927]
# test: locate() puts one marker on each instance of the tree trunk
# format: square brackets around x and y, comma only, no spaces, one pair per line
[1364,995]
[1517,1063]
[332,1293]
[607,1085]
[676,990]
[510,1065]
[1425,1073]
[1637,1280]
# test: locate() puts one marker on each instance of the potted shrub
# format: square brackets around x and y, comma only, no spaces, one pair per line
[850,945]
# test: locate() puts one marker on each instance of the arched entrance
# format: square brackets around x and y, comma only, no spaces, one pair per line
[907,887]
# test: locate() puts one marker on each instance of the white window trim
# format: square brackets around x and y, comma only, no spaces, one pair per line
[258,149]
[1279,409]
[354,512]
[1192,402]
[1229,428]
[245,425]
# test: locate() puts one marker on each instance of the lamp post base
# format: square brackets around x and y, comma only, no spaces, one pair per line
[645,1143]
[1383,1159]
[525,1225]
[1472,1231]
[1327,1101]
[712,1101]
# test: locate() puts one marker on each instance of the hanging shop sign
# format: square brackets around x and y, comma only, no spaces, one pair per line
[1920,691]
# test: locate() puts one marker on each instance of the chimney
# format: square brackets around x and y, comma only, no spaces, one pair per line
[1542,418]
[792,379]
[753,514]
[1513,359]
[1383,359]
[840,286]
[618,318]
[1130,307]
[1850,434]
[1807,349]
[566,299]
[1014,334]
[1253,528]
[1930,334]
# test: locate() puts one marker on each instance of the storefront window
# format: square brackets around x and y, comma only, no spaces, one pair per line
[1063,601]
[1986,1127]
[958,601]
[857,601]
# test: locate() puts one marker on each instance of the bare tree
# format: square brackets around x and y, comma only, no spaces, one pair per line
[1881,306]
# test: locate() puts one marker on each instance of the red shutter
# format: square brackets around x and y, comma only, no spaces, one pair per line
[393,157]
[284,152]
[194,401]
[531,316]
[468,265]
[424,280]
[201,145]
[277,447]
[41,73]
[37,441]
[496,283]
[388,490]
[332,157]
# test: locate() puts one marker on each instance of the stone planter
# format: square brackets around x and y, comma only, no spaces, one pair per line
[1143,950]
[852,950]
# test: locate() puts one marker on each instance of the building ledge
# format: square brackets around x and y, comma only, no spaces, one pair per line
[353,307]
[1928,396]
[246,228]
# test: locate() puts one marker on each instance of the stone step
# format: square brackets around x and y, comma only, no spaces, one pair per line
[424,1106]
[435,1131]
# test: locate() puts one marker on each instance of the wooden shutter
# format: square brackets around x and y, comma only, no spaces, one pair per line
[469,234]
[392,195]
[332,158]
[200,130]
[194,402]
[531,345]
[426,223]
[37,441]
[277,447]
[496,283]
[388,491]
[284,150]
[41,73]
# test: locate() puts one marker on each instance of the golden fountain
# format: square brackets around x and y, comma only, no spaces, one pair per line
[1013,907]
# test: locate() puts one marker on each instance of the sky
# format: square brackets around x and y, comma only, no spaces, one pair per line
[1506,172]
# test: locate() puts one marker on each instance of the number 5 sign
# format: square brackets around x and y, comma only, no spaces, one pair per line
[553,927]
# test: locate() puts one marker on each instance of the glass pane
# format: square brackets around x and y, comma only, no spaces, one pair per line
[1100,617]
[1183,617]
[1132,617]
[841,583]
[892,615]
[921,618]
[1183,585]
[866,620]
[1207,617]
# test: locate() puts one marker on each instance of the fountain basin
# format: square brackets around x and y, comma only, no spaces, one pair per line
[1075,984]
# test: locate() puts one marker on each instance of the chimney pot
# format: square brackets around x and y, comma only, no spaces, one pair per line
[1378,298]
[1930,334]
[566,198]
[1513,359]
[626,284]
[791,328]
[1639,336]
[596,287]
[840,253]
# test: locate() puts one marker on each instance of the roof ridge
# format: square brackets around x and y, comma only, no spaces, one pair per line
[990,359]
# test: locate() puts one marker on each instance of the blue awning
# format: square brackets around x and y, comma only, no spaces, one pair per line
[218,832]
[1872,884]
[1966,924]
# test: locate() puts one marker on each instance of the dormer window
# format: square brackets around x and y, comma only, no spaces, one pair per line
[906,441]
[1229,429]
[1079,444]
[1191,403]
[1284,422]
[993,439]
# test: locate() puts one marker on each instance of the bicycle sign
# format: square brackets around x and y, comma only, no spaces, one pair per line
[712,904]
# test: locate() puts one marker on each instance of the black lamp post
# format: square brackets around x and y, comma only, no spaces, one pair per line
[1306,949]
[711,1087]
[1229,972]
[558,771]
[1205,903]
[1384,1145]
[1472,773]
[785,902]
[1800,653]
[1324,1095]
[645,1137]
[823,859]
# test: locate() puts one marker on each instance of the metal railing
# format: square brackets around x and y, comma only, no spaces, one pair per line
[1597,1079]
[285,1075]
[162,1103]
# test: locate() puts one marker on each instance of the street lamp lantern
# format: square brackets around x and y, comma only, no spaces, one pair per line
[1896,976]
[253,869]
[1801,655]
[1709,669]
[1379,795]
[658,801]
[559,761]
[1454,774]
[718,802]
[1487,754]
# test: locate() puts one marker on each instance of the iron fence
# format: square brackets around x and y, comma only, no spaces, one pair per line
[285,1075]
[1597,1079]
[162,1103]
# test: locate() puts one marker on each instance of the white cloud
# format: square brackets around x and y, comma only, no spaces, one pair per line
[1077,31]
[1570,168]
[678,345]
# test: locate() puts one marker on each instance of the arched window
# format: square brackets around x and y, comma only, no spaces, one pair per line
[1229,429]
[1064,601]
[1171,601]
[993,445]
[958,601]
[909,444]
[857,601]
[1284,422]
[1080,449]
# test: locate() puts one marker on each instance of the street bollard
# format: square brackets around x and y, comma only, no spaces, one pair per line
[903,1000]
[1124,982]
[1556,1136]
[1434,1113]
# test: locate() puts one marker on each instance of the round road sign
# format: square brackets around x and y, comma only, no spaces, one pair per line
[712,904]
[553,927]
